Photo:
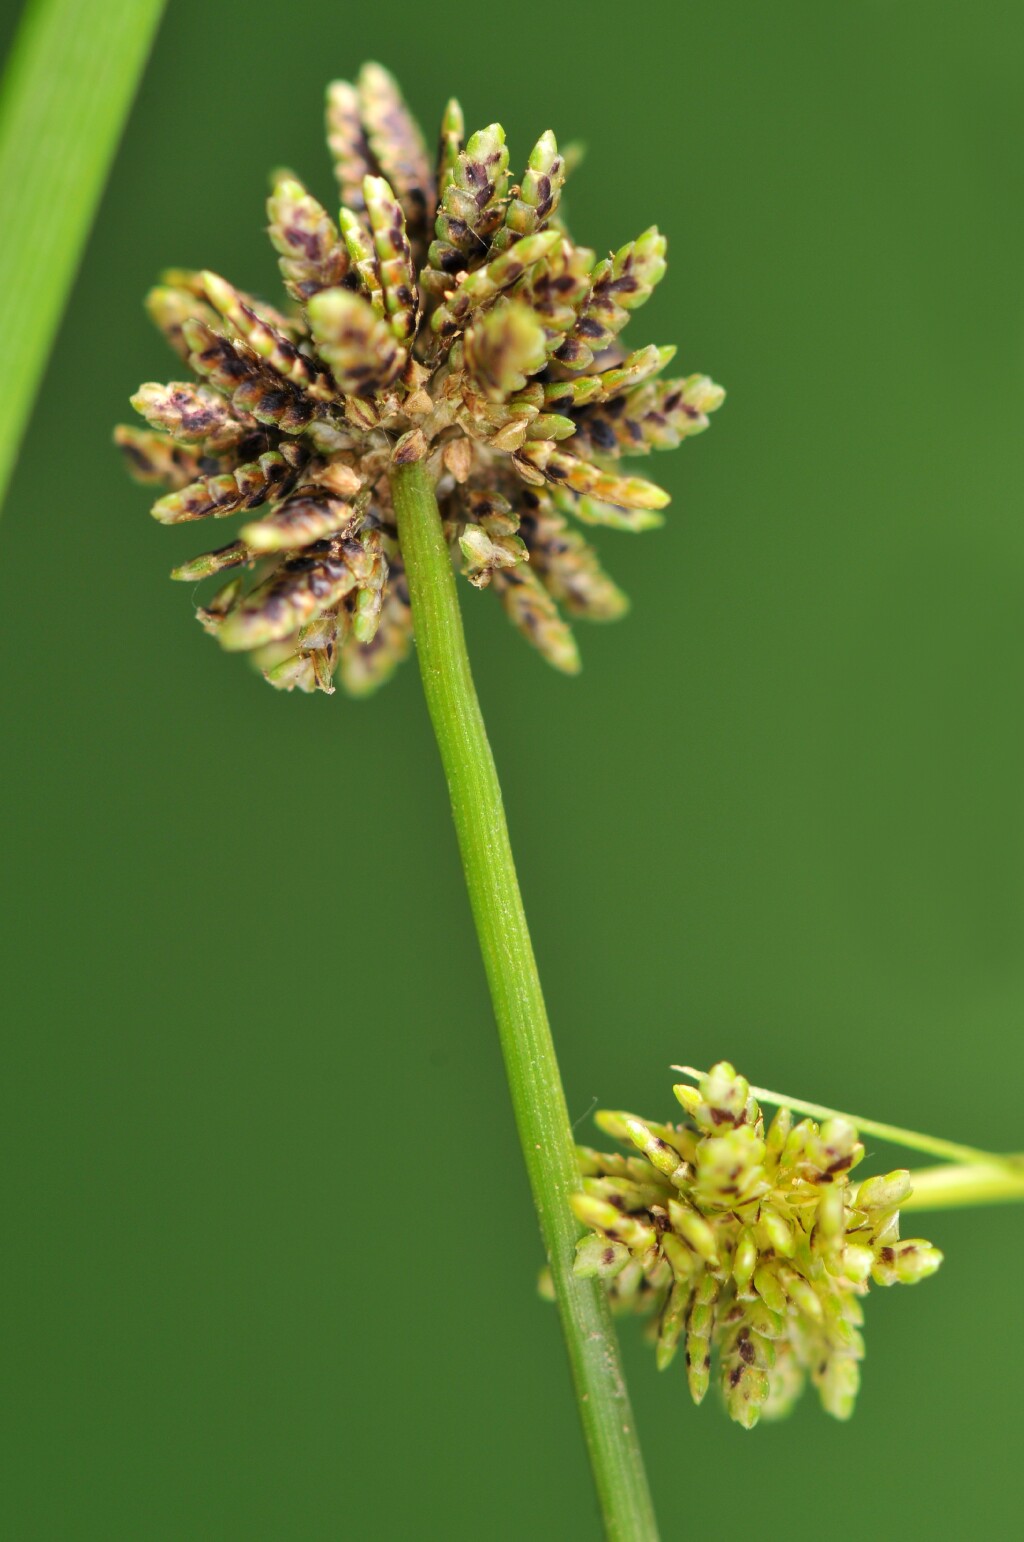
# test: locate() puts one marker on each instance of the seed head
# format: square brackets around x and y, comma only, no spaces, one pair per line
[750,1248]
[446,317]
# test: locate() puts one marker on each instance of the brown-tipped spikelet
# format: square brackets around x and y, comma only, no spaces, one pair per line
[446,317]
[750,1248]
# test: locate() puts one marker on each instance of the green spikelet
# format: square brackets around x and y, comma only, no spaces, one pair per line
[365,667]
[556,289]
[700,1323]
[359,245]
[394,257]
[532,610]
[372,573]
[473,205]
[311,254]
[244,488]
[591,511]
[231,556]
[453,132]
[347,143]
[538,198]
[490,540]
[503,348]
[170,306]
[396,142]
[253,387]
[620,284]
[274,347]
[360,347]
[297,591]
[192,414]
[567,564]
[485,284]
[542,461]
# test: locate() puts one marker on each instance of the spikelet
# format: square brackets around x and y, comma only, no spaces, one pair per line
[537,200]
[359,347]
[543,460]
[473,205]
[311,254]
[658,416]
[453,131]
[397,145]
[394,257]
[567,564]
[503,349]
[620,284]
[193,414]
[532,610]
[266,340]
[485,284]
[347,142]
[252,386]
[170,306]
[154,460]
[244,488]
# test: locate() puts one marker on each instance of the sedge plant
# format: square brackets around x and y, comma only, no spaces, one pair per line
[446,390]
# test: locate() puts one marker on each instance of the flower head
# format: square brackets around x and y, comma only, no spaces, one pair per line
[445,317]
[750,1246]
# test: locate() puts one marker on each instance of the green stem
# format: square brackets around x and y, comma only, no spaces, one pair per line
[532,1068]
[955,1187]
[65,95]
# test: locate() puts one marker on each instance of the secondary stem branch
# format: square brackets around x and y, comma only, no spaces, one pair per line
[533,1076]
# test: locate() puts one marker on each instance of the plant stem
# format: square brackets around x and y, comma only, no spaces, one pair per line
[957,1186]
[65,95]
[530,1062]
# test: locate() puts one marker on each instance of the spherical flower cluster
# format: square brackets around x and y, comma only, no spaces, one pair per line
[445,317]
[749,1246]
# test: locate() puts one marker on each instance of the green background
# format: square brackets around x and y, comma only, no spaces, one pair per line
[269,1252]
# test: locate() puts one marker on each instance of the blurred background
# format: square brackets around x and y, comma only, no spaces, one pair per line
[269,1250]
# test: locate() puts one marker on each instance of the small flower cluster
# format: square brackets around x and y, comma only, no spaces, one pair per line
[748,1245]
[447,317]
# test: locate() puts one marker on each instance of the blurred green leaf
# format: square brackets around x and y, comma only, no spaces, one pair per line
[66,91]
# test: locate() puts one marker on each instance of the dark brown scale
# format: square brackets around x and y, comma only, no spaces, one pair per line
[307,241]
[602,434]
